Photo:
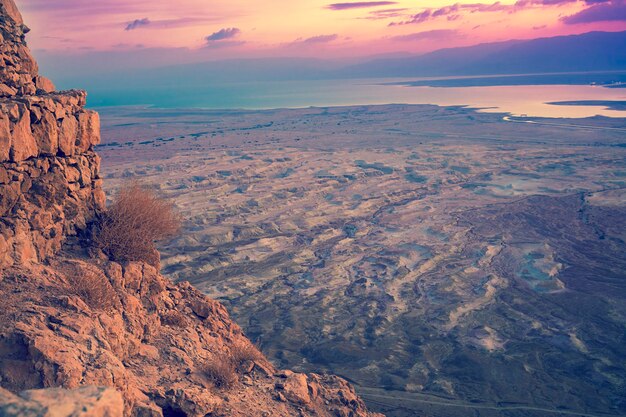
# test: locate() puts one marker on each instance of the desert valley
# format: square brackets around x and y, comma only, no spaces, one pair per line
[418,251]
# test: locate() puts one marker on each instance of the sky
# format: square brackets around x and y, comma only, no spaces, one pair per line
[190,30]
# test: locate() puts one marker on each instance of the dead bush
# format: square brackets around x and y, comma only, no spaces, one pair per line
[242,353]
[135,221]
[92,287]
[175,319]
[220,371]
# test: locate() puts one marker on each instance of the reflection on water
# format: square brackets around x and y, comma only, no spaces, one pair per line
[517,100]
[527,100]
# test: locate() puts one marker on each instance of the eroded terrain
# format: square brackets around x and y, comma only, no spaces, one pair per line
[448,262]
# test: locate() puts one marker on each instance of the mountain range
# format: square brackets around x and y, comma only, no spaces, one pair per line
[588,52]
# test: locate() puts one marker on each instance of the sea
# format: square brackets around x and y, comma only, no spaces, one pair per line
[516,100]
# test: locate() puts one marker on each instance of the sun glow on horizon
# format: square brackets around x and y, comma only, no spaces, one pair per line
[311,28]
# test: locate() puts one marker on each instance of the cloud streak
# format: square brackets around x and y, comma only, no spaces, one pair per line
[385,14]
[137,23]
[359,5]
[599,10]
[453,12]
[320,39]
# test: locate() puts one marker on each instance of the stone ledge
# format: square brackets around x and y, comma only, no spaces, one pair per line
[54,124]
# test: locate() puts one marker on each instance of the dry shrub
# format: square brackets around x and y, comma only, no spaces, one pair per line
[92,287]
[244,352]
[175,319]
[220,371]
[137,219]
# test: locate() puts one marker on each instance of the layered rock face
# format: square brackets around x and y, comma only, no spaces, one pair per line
[118,338]
[49,183]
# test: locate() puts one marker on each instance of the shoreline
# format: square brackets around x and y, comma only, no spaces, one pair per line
[616,105]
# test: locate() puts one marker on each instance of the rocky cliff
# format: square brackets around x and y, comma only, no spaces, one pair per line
[49,182]
[114,336]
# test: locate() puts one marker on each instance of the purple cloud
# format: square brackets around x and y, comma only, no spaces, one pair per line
[426,35]
[320,39]
[420,17]
[454,11]
[359,5]
[226,33]
[385,14]
[604,12]
[137,23]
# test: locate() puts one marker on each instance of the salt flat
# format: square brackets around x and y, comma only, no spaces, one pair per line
[446,261]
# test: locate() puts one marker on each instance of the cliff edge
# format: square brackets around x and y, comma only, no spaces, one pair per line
[49,181]
[92,337]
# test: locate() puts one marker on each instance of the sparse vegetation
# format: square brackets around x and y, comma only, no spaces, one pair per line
[137,219]
[222,369]
[92,287]
[242,353]
[221,372]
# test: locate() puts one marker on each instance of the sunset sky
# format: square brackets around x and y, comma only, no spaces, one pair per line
[310,28]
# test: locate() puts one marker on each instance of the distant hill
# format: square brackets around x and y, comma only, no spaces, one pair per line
[593,51]
[134,77]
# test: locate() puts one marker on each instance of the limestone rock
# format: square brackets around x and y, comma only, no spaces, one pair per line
[5,137]
[68,132]
[296,389]
[46,132]
[11,11]
[89,130]
[56,402]
[23,144]
[49,175]
[44,84]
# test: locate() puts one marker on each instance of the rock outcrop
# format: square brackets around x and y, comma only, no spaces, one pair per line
[108,338]
[56,402]
[49,182]
[157,343]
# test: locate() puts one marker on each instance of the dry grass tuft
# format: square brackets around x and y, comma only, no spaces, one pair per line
[137,219]
[243,353]
[221,372]
[92,287]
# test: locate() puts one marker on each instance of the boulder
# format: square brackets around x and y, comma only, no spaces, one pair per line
[44,85]
[296,389]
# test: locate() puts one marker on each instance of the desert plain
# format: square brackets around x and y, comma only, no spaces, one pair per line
[448,262]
